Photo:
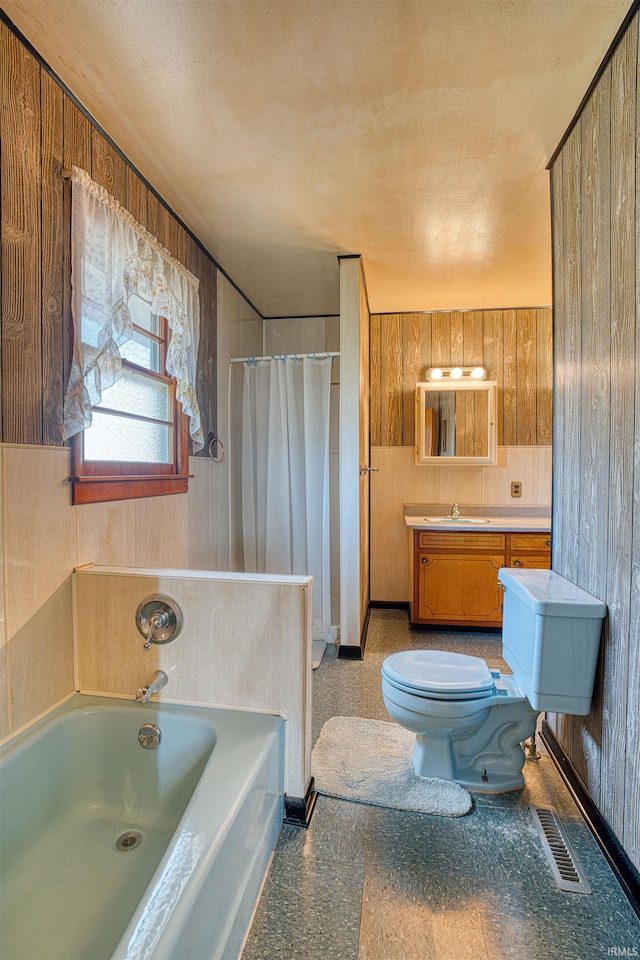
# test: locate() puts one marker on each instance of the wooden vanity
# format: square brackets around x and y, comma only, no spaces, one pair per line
[454,578]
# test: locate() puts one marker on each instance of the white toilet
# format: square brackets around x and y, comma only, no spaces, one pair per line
[470,720]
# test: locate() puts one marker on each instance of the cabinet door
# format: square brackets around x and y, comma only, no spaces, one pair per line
[459,588]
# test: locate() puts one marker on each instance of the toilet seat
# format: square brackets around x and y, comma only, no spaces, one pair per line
[439,675]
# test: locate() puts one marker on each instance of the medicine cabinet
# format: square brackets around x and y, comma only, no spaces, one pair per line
[456,423]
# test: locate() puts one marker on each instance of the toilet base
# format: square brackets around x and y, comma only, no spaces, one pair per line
[490,760]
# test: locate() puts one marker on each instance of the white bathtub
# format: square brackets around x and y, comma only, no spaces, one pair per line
[207,805]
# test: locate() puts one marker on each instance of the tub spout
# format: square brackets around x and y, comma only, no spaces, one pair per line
[159,681]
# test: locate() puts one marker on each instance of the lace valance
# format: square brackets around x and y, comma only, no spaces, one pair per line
[114,258]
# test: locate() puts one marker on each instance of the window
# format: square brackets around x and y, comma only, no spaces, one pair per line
[130,404]
[137,444]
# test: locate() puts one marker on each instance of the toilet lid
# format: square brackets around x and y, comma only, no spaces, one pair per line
[439,672]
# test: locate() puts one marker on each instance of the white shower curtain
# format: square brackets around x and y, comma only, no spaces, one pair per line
[280,473]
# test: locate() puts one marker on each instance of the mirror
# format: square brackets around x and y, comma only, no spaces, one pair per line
[456,423]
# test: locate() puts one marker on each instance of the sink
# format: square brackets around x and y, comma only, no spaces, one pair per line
[464,520]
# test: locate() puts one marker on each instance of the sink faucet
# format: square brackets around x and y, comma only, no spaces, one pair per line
[455,513]
[159,681]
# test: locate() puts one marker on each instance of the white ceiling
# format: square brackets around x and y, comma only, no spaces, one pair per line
[413,132]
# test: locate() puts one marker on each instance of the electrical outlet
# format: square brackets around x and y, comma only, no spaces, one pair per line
[516,489]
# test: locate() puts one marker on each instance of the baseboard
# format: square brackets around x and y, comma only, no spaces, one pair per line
[389,604]
[354,651]
[625,872]
[347,651]
[299,810]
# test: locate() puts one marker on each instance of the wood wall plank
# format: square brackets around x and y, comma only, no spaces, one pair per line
[618,590]
[492,347]
[543,376]
[136,196]
[416,359]
[526,377]
[509,377]
[374,379]
[391,380]
[596,468]
[54,332]
[153,215]
[108,167]
[631,831]
[20,183]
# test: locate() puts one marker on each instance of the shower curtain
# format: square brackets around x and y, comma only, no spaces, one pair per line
[279,452]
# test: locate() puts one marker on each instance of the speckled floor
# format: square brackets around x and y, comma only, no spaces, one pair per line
[370,883]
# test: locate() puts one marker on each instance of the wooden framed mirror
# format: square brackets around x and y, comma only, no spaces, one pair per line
[456,423]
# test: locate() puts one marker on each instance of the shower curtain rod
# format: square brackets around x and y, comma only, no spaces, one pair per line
[312,354]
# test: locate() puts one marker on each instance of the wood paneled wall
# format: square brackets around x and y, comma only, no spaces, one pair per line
[513,345]
[42,132]
[596,456]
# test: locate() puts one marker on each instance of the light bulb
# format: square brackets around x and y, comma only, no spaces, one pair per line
[478,373]
[436,373]
[456,373]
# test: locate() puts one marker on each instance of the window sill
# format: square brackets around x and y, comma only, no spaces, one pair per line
[102,490]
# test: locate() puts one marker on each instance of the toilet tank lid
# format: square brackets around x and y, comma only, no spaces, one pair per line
[546,592]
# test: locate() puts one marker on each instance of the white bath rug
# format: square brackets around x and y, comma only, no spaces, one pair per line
[369,761]
[317,653]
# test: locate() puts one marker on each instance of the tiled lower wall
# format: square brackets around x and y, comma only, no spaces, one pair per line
[44,538]
[398,481]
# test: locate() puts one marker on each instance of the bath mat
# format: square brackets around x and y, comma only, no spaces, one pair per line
[369,761]
[317,653]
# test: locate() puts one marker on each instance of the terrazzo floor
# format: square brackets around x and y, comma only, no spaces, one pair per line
[371,883]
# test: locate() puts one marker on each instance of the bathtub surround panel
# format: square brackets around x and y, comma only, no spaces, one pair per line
[399,481]
[45,538]
[40,542]
[5,713]
[246,643]
[596,518]
[157,531]
[513,345]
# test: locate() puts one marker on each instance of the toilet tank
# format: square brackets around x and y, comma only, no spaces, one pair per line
[550,637]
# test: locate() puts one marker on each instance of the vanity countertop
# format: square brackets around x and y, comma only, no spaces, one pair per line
[498,524]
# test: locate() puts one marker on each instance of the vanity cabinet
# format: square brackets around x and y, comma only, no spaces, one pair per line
[455,574]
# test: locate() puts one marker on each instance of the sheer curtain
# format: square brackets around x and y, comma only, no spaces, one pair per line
[280,473]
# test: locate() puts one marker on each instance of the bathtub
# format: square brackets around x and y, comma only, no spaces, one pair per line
[112,850]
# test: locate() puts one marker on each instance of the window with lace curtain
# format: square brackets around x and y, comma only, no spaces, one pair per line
[130,404]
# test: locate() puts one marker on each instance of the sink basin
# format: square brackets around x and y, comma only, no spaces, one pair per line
[454,520]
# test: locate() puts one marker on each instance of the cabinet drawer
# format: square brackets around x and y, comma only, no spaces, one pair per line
[530,560]
[530,541]
[437,540]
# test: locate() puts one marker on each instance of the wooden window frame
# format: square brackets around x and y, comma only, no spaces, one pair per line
[100,481]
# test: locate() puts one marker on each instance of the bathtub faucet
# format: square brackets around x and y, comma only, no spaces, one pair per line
[159,681]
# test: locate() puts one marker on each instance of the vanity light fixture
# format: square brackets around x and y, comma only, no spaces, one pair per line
[456,373]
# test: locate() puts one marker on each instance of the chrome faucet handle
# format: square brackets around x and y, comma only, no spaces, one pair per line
[455,512]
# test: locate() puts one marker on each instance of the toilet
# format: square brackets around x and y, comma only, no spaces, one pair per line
[469,720]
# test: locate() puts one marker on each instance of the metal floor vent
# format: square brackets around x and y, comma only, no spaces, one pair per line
[565,866]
